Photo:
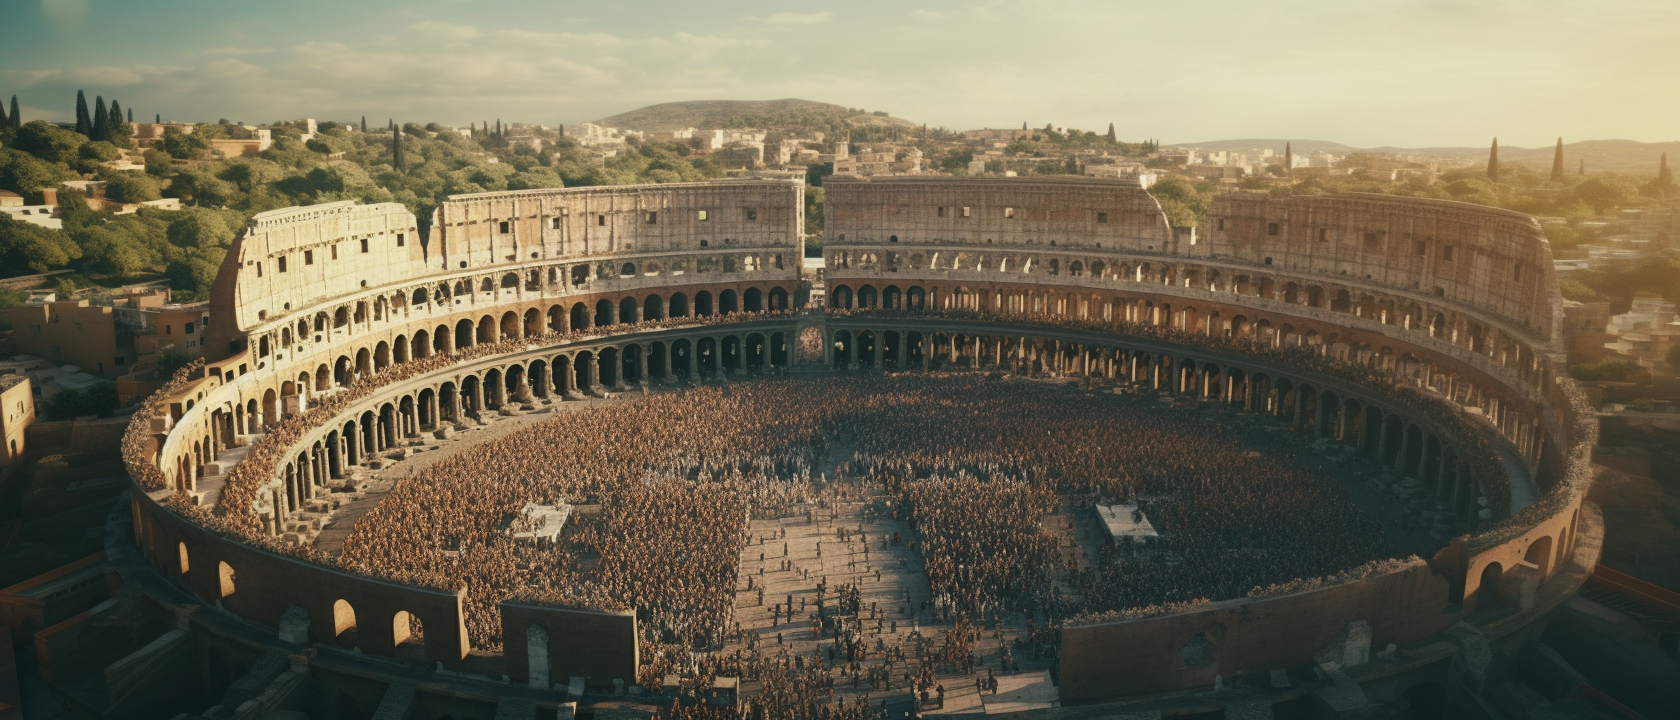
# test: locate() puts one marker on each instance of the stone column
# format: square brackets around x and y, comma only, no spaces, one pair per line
[642,363]
[878,352]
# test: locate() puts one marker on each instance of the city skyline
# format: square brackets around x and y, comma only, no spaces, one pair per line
[1447,73]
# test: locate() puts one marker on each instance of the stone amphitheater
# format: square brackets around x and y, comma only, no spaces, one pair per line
[1418,338]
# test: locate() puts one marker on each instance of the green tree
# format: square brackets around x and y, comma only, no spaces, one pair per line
[171,360]
[100,128]
[84,122]
[28,248]
[199,229]
[131,187]
[49,142]
[1557,162]
[1605,193]
[1493,162]
[17,117]
[1184,204]
[191,277]
[186,145]
[28,175]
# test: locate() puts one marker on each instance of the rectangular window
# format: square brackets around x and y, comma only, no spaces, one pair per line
[1324,234]
[1272,229]
[400,239]
[1221,223]
[941,211]
[554,223]
[1009,213]
[1516,273]
[309,257]
[1422,248]
[1447,253]
[653,218]
[965,211]
[700,215]
[364,244]
[189,327]
[502,227]
[335,251]
[282,262]
[752,214]
[601,220]
[259,269]
[1102,218]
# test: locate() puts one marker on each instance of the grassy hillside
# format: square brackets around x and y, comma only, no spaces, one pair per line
[789,114]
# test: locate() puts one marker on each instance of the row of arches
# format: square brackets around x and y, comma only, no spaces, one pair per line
[1490,398]
[334,451]
[1438,319]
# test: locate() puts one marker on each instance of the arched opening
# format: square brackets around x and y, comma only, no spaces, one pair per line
[703,303]
[186,563]
[653,308]
[778,299]
[463,334]
[840,297]
[1487,595]
[406,629]
[752,300]
[603,312]
[728,302]
[225,573]
[679,305]
[1539,554]
[344,619]
[628,310]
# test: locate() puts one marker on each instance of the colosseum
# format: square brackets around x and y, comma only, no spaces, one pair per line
[1406,350]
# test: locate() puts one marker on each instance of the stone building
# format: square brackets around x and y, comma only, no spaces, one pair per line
[17,413]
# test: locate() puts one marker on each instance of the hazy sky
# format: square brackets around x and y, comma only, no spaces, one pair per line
[1363,72]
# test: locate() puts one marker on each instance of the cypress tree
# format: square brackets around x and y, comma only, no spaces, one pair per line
[1493,161]
[115,118]
[82,121]
[396,148]
[101,121]
[17,118]
[1288,158]
[364,124]
[1111,132]
[158,119]
[5,120]
[1557,162]
[1665,177]
[131,116]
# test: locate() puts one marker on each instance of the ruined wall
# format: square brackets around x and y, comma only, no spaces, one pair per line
[296,257]
[1076,212]
[1495,261]
[598,646]
[1247,636]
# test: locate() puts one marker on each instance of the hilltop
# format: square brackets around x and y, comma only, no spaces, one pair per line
[786,114]
[1623,156]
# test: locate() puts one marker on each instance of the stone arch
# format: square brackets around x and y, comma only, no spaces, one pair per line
[464,333]
[728,302]
[703,304]
[579,316]
[182,556]
[629,310]
[344,618]
[1539,554]
[406,629]
[226,578]
[679,305]
[509,326]
[752,300]
[840,297]
[653,308]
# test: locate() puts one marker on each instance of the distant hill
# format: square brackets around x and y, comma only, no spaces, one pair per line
[1624,156]
[773,114]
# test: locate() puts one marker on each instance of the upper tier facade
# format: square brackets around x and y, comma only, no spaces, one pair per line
[1492,263]
[292,263]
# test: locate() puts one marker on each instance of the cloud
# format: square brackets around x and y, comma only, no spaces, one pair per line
[792,18]
[235,51]
[107,75]
[927,15]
